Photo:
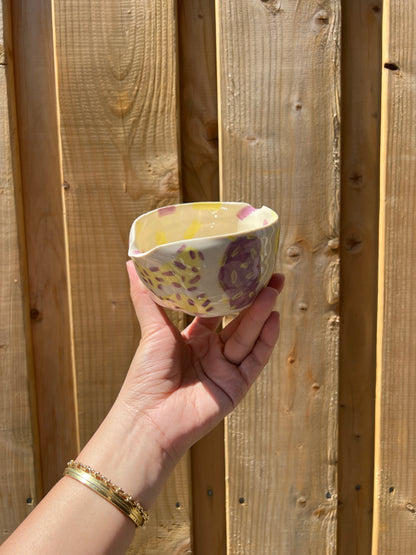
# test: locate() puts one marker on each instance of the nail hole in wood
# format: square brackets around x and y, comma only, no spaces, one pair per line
[391,66]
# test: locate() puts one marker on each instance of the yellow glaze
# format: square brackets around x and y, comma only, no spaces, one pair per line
[192,230]
[207,205]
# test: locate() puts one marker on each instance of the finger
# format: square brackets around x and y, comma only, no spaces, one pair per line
[150,315]
[200,326]
[260,355]
[244,336]
[276,282]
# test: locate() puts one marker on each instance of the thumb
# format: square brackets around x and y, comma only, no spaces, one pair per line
[151,316]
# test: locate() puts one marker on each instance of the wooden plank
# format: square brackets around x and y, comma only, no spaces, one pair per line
[198,97]
[200,182]
[361,84]
[118,110]
[18,479]
[279,146]
[44,228]
[208,494]
[395,486]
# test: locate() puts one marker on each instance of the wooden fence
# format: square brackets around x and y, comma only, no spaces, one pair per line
[112,108]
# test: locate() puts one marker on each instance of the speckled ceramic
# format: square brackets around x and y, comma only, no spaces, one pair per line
[205,258]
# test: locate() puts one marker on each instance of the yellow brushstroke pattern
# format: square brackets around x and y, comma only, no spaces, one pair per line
[138,228]
[192,230]
[160,237]
[207,205]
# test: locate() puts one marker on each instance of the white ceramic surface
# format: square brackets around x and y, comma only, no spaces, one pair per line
[205,258]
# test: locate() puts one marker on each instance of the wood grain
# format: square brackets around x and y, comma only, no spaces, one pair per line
[198,100]
[118,110]
[278,67]
[361,91]
[395,486]
[200,182]
[208,494]
[37,130]
[18,479]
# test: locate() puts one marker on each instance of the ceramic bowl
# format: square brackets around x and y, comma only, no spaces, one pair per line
[205,258]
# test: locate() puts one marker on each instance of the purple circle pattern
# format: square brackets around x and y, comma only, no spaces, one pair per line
[240,270]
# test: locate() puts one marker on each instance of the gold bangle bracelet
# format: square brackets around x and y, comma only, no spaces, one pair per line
[106,489]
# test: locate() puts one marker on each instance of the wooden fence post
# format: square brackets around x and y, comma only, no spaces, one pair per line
[119,129]
[360,160]
[279,86]
[20,478]
[395,481]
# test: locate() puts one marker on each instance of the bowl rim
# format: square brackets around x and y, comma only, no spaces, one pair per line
[137,254]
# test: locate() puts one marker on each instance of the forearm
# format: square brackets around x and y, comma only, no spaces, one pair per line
[74,519]
[178,387]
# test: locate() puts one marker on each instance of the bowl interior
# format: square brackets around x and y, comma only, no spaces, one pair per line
[195,221]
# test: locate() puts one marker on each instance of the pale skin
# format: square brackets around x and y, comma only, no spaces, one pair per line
[180,385]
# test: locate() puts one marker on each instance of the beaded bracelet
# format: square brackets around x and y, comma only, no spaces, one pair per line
[104,487]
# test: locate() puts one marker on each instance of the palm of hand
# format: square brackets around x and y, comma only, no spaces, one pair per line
[185,383]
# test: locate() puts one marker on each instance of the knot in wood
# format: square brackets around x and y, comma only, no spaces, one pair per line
[333,244]
[35,315]
[411,508]
[301,501]
[356,180]
[322,17]
[353,242]
[333,321]
[273,6]
[293,254]
[251,140]
[320,511]
[170,181]
[320,21]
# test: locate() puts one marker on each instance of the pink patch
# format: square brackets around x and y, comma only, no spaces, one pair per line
[265,222]
[166,210]
[244,212]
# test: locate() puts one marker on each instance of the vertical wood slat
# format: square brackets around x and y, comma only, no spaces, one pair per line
[279,145]
[44,229]
[19,481]
[198,98]
[208,494]
[395,484]
[199,179]
[118,111]
[361,81]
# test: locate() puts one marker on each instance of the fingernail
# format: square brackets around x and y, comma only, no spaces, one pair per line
[273,291]
[282,282]
[131,270]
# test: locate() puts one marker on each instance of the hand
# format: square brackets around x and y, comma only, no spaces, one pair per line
[179,386]
[185,383]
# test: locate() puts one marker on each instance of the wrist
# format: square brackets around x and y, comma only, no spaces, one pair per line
[126,448]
